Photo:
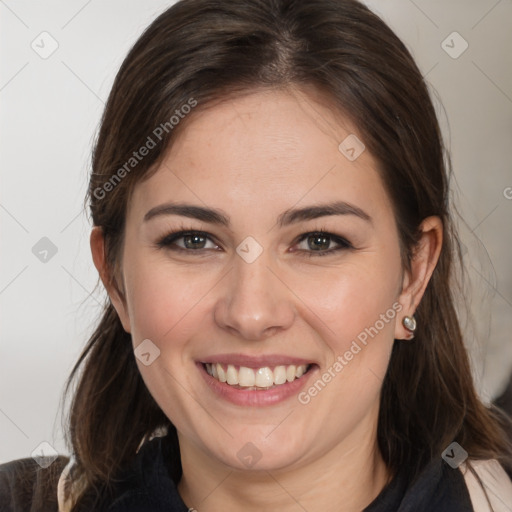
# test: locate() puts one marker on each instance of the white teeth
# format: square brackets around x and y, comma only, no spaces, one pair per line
[280,374]
[261,378]
[221,374]
[246,377]
[264,377]
[232,375]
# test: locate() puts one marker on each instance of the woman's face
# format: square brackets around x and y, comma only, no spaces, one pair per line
[254,287]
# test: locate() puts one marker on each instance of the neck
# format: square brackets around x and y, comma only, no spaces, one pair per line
[347,478]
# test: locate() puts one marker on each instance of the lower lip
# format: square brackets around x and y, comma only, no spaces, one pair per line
[256,397]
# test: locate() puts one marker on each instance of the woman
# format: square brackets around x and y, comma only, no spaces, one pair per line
[269,196]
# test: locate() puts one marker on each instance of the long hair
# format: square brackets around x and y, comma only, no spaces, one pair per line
[202,51]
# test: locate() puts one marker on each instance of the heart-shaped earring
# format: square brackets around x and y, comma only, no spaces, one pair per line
[409,322]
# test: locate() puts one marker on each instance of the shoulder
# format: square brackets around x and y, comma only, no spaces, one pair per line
[496,487]
[25,485]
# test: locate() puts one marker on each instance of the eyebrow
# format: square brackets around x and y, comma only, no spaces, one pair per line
[292,216]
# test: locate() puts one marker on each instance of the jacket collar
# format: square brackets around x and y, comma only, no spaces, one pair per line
[438,487]
[147,485]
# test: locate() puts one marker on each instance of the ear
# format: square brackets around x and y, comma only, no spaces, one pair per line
[98,255]
[415,281]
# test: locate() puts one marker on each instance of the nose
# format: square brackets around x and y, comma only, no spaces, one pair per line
[254,303]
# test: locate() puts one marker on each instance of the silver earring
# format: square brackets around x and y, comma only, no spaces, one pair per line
[409,322]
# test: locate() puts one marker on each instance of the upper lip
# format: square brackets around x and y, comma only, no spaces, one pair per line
[260,361]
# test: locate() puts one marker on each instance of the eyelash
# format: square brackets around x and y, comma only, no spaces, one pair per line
[168,240]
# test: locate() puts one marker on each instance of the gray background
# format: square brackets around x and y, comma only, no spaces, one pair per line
[50,111]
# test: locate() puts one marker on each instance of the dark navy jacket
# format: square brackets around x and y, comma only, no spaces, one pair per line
[146,486]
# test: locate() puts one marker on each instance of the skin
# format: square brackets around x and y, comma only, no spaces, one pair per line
[254,157]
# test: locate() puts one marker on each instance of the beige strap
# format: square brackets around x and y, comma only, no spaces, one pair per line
[75,489]
[64,505]
[497,486]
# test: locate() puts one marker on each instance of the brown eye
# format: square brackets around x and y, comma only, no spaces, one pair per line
[318,242]
[187,241]
[194,241]
[321,244]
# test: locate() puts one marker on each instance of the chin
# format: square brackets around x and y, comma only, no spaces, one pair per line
[259,452]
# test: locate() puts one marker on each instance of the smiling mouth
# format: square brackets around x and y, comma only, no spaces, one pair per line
[242,377]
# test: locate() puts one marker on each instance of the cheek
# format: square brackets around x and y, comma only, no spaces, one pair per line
[164,300]
[345,302]
[354,312]
[168,308]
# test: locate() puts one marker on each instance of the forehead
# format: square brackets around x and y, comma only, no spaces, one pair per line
[266,150]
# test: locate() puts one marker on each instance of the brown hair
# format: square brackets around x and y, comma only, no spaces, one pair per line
[207,50]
